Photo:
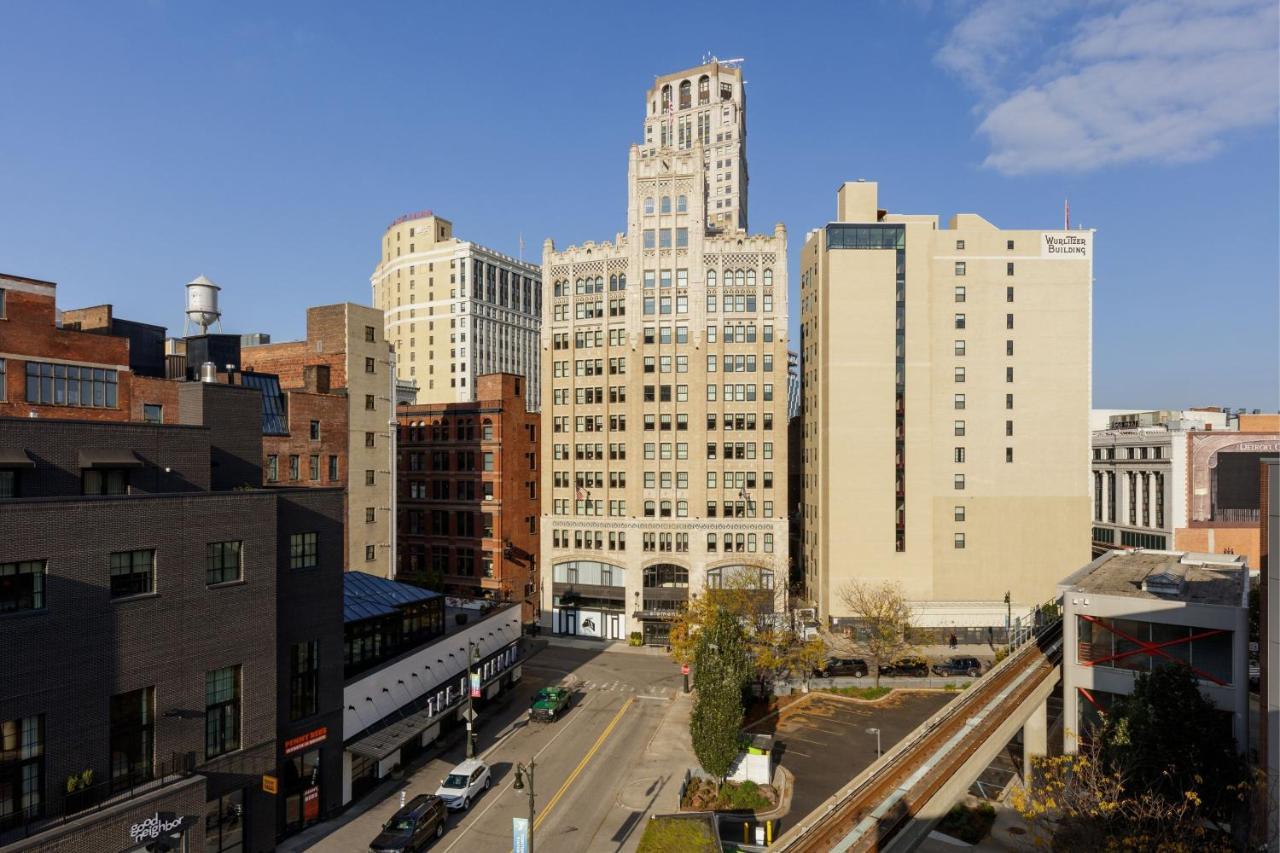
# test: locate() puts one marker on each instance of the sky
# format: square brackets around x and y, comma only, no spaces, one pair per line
[268,145]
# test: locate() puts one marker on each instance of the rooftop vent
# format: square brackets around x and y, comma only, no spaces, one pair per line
[1167,583]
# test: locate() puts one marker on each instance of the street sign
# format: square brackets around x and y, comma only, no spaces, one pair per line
[519,835]
[684,669]
[468,714]
[270,784]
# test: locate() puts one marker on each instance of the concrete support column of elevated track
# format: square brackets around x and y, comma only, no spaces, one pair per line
[1035,740]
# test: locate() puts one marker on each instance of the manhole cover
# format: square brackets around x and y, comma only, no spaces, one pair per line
[639,793]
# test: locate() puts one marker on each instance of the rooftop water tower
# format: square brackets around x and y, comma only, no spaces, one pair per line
[202,305]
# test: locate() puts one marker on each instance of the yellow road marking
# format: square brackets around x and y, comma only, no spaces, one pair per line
[583,763]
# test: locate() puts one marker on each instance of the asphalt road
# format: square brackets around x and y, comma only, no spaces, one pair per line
[586,799]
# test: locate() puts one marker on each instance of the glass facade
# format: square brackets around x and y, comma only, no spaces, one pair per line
[70,385]
[21,770]
[1141,646]
[222,711]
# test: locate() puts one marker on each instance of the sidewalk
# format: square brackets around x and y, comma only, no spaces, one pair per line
[659,776]
[600,645]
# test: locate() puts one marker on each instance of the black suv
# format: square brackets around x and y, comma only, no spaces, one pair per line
[421,819]
[910,665]
[971,667]
[856,667]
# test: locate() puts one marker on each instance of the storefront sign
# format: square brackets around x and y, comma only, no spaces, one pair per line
[161,823]
[1067,245]
[301,742]
[311,804]
[271,784]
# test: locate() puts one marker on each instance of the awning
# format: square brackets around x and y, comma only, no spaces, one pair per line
[15,457]
[109,457]
[377,745]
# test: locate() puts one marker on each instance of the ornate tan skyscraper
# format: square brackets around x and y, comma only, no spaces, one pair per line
[664,357]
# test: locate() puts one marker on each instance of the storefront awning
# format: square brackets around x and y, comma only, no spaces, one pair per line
[15,457]
[377,745]
[108,457]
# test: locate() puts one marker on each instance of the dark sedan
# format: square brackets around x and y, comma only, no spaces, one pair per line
[911,666]
[856,667]
[971,667]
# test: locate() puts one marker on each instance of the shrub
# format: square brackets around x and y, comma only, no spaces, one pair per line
[968,823]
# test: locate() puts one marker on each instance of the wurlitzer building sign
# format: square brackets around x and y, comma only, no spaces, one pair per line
[1069,245]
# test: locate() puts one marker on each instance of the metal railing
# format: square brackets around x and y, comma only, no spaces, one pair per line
[96,797]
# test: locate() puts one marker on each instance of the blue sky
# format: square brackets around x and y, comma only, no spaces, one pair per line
[267,145]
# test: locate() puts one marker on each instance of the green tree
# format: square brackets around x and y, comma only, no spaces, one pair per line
[1168,739]
[722,668]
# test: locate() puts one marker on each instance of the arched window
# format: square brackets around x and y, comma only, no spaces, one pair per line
[577,285]
[704,89]
[622,281]
[666,97]
[768,278]
[649,509]
[666,575]
[751,278]
[613,282]
[711,278]
[686,94]
[648,206]
[741,277]
[666,204]
[682,204]
[742,577]
[665,509]
[599,284]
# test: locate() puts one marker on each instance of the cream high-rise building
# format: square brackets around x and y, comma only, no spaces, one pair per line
[456,310]
[946,411]
[664,452]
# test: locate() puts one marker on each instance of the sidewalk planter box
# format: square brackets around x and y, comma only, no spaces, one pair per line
[688,833]
[752,767]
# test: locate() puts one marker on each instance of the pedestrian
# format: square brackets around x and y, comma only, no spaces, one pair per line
[954,642]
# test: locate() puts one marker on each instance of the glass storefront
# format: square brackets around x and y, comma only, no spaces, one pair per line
[224,823]
[300,789]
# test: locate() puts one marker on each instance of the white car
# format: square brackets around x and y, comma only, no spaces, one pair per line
[464,784]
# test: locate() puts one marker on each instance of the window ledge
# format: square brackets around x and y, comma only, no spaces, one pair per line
[135,597]
[225,584]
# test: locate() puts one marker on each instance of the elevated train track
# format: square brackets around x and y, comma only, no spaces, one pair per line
[893,803]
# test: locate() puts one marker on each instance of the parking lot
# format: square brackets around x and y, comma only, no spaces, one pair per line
[823,740]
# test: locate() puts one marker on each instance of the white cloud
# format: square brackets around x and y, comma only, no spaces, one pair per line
[1115,82]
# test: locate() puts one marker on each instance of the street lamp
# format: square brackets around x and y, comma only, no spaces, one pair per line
[876,732]
[1008,622]
[473,655]
[521,772]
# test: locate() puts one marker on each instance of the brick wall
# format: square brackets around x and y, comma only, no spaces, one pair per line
[147,390]
[234,417]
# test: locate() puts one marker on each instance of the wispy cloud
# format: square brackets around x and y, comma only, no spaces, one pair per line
[1080,86]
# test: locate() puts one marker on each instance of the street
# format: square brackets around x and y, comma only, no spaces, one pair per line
[588,797]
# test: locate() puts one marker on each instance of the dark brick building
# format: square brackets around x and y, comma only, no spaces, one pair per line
[172,634]
[468,495]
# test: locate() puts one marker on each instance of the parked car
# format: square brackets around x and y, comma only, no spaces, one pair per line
[969,666]
[856,667]
[549,702]
[467,781]
[909,665]
[409,829]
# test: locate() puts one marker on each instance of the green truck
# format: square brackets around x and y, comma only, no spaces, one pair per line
[548,703]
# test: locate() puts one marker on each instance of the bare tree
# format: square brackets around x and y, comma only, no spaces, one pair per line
[884,618]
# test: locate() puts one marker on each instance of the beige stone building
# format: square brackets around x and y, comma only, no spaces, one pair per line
[946,411]
[346,343]
[664,357]
[456,310]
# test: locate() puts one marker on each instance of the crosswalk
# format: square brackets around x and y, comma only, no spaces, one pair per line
[650,691]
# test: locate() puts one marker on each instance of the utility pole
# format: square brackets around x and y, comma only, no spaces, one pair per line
[1008,622]
[520,786]
[471,714]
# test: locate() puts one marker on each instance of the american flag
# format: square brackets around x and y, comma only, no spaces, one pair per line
[579,494]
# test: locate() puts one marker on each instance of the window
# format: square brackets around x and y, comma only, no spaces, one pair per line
[302,550]
[304,679]
[8,479]
[370,334]
[313,466]
[959,374]
[959,401]
[959,541]
[333,468]
[21,587]
[21,769]
[1008,321]
[958,480]
[1008,374]
[152,413]
[132,729]
[369,366]
[1009,271]
[294,469]
[369,477]
[370,553]
[959,267]
[222,562]
[221,711]
[488,460]
[960,293]
[224,823]
[369,402]
[70,385]
[105,481]
[959,427]
[959,321]
[370,439]
[959,454]
[960,245]
[315,430]
[959,513]
[1008,454]
[132,573]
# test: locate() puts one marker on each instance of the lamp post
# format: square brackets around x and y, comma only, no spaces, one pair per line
[876,732]
[1008,622]
[472,656]
[521,772]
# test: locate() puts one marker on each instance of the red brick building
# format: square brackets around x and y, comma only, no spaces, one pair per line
[69,372]
[468,495]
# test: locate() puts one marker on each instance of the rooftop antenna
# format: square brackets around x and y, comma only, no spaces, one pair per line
[520,239]
[1066,214]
